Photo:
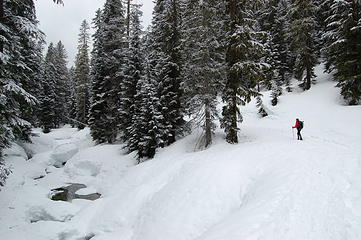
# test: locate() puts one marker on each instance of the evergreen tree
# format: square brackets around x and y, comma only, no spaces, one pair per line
[276,91]
[4,172]
[48,114]
[55,97]
[266,16]
[108,72]
[303,33]
[150,126]
[261,109]
[81,76]
[19,36]
[73,105]
[244,59]
[31,51]
[62,85]
[278,46]
[136,120]
[5,138]
[344,48]
[98,104]
[133,72]
[322,13]
[166,57]
[204,68]
[146,127]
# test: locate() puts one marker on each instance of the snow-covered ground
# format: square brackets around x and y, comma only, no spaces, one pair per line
[268,187]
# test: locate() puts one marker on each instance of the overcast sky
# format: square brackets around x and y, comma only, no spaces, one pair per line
[63,22]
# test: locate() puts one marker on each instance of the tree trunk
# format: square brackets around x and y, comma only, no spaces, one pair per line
[233,9]
[128,18]
[308,78]
[1,10]
[1,21]
[233,134]
[233,77]
[208,124]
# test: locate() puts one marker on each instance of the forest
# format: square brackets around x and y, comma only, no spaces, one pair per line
[148,88]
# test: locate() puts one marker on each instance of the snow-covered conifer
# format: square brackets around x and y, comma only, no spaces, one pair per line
[303,35]
[261,109]
[48,115]
[279,57]
[133,72]
[62,85]
[166,57]
[81,76]
[19,61]
[150,128]
[203,64]
[98,104]
[72,104]
[244,63]
[108,71]
[343,48]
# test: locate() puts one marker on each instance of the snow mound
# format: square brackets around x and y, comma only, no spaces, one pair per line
[99,166]
[63,153]
[15,151]
[58,211]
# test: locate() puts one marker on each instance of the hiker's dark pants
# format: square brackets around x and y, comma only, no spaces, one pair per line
[299,137]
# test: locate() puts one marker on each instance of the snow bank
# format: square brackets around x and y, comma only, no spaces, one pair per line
[63,153]
[267,187]
[15,151]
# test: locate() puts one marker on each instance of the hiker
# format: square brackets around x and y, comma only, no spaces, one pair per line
[299,126]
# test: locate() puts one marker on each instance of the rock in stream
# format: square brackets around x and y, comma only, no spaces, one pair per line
[68,193]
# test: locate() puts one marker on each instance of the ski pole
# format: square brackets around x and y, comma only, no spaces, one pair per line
[293,134]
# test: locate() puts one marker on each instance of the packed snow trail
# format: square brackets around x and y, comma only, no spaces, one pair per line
[267,187]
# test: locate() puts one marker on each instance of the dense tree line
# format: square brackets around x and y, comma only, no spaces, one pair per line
[55,94]
[343,46]
[137,86]
[197,51]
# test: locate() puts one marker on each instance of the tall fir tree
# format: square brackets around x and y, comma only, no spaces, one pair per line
[166,57]
[62,85]
[104,112]
[55,96]
[323,11]
[343,51]
[31,52]
[281,56]
[204,63]
[72,104]
[274,21]
[97,118]
[48,114]
[146,129]
[303,32]
[82,76]
[19,61]
[133,72]
[244,63]
[150,127]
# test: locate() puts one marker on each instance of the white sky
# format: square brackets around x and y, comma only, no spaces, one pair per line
[60,22]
